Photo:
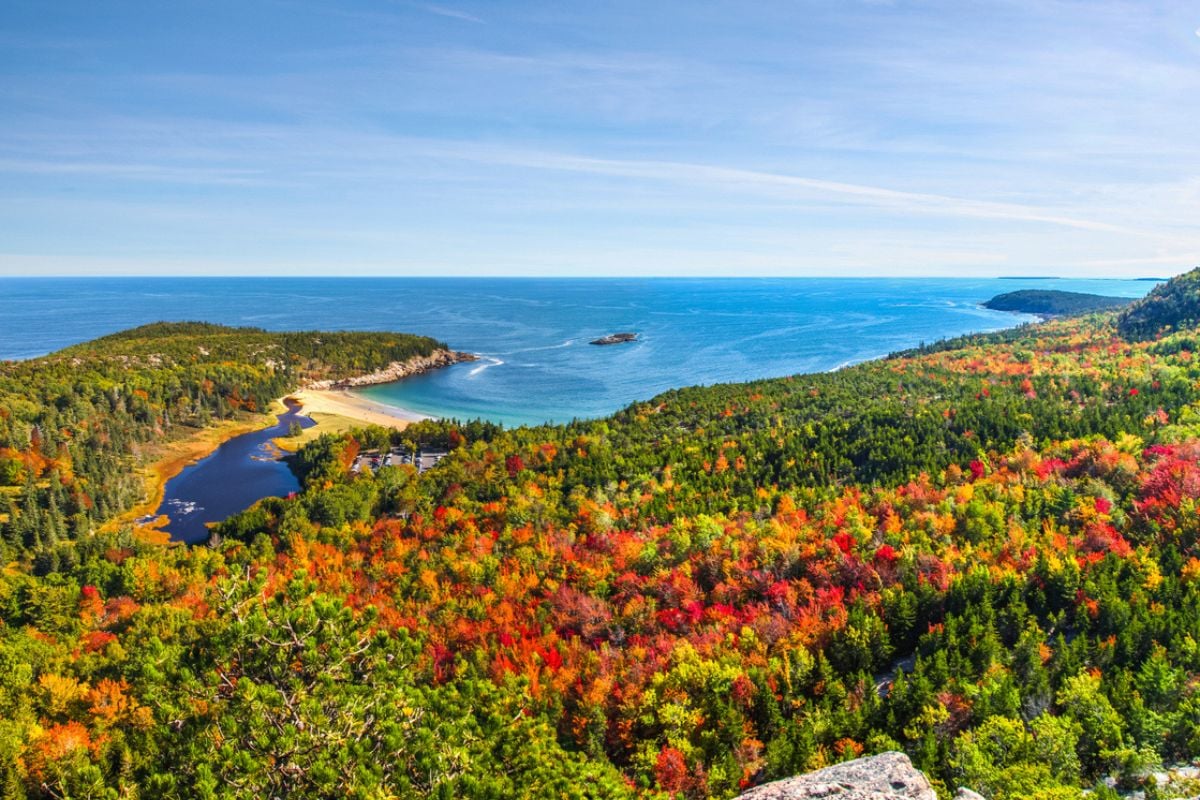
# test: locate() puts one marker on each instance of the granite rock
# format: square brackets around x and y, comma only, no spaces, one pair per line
[397,370]
[887,776]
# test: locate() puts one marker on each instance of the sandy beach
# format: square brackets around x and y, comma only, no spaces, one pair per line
[343,403]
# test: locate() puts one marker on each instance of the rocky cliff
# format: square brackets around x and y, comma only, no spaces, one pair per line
[398,370]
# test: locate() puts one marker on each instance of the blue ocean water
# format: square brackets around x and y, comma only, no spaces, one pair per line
[532,334]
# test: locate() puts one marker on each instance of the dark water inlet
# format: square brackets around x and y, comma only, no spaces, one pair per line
[232,478]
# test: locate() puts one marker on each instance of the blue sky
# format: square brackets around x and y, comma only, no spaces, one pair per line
[607,138]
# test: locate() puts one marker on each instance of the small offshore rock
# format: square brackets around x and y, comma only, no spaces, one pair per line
[887,776]
[616,338]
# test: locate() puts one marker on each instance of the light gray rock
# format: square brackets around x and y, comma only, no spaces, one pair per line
[887,776]
[966,794]
[398,370]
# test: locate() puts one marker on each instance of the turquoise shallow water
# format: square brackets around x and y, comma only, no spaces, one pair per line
[531,334]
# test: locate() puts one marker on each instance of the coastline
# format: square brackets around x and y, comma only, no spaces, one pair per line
[397,370]
[335,408]
[345,403]
[1038,318]
[340,410]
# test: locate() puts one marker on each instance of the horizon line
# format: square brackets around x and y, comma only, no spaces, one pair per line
[564,276]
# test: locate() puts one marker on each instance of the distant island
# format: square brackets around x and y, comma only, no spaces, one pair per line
[1054,303]
[616,338]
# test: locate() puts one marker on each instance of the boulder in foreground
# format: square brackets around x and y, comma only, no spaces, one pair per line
[887,776]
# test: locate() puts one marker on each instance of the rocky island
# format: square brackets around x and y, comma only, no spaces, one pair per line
[615,338]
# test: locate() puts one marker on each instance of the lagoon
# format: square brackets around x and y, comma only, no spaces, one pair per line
[232,478]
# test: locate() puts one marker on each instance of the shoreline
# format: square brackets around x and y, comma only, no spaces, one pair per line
[343,408]
[335,408]
[1038,318]
[397,370]
[348,404]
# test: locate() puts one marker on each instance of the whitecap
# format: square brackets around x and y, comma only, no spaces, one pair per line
[567,343]
[491,362]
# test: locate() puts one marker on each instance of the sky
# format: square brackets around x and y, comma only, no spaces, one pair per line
[386,137]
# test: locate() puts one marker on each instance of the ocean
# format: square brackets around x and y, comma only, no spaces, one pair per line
[532,334]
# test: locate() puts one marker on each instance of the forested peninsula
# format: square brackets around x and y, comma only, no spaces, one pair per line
[1054,303]
[982,553]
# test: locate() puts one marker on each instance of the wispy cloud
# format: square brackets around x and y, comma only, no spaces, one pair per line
[745,179]
[452,13]
[141,172]
[359,156]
